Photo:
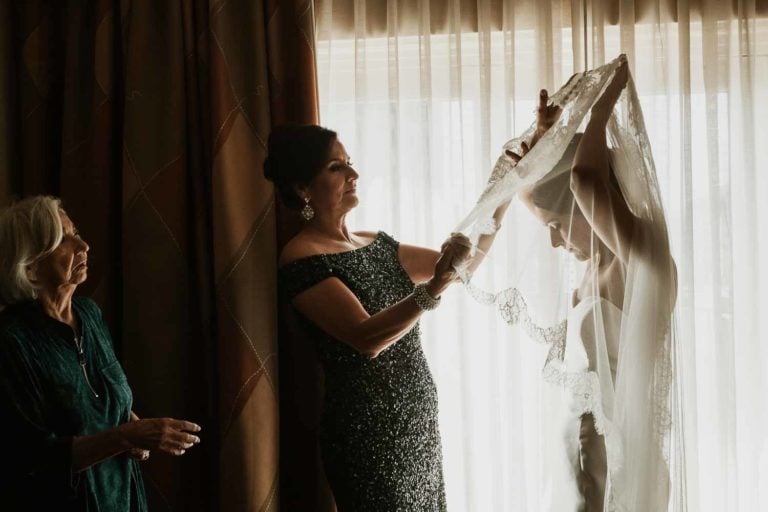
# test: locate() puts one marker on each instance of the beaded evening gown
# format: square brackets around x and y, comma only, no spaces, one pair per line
[379,435]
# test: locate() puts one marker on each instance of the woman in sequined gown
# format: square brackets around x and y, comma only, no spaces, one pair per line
[356,295]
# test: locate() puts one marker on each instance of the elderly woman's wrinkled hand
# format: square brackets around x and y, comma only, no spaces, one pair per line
[166,434]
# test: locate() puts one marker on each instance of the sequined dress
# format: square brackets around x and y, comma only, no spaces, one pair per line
[379,435]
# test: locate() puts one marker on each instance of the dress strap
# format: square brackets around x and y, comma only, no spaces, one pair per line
[304,273]
[388,240]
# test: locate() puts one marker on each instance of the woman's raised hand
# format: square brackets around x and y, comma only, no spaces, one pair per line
[546,116]
[524,149]
[167,434]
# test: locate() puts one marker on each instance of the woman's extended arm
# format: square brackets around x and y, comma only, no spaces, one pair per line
[484,242]
[334,308]
[90,450]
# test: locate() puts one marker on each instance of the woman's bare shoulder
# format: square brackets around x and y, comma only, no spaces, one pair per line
[298,247]
[304,246]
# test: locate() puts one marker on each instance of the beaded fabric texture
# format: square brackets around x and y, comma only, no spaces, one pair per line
[423,299]
[379,435]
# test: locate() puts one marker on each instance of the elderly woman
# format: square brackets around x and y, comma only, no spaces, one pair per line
[360,296]
[71,439]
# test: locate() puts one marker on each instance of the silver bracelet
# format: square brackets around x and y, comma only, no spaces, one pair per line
[423,299]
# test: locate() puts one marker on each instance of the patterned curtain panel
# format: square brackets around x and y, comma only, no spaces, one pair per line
[150,120]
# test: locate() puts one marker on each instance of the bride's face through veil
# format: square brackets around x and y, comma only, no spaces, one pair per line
[553,204]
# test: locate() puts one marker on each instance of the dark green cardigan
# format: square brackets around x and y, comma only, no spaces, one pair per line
[45,401]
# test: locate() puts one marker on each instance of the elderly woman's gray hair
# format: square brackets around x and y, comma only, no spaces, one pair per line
[29,230]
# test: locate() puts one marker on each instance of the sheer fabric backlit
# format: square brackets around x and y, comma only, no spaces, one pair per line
[423,108]
[610,343]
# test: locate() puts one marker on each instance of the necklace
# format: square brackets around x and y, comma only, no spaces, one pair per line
[83,363]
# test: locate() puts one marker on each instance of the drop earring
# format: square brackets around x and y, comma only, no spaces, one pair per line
[307,212]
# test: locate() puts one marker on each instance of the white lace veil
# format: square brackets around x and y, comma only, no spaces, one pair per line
[611,344]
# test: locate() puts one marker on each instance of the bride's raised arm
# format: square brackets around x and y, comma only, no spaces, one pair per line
[593,185]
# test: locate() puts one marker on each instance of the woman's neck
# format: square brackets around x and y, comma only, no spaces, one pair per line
[603,257]
[58,304]
[334,228]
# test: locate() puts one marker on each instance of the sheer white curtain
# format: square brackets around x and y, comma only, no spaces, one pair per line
[423,94]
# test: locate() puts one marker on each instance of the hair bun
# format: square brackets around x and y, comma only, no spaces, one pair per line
[269,169]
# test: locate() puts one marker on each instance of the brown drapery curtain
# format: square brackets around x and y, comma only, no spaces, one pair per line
[150,120]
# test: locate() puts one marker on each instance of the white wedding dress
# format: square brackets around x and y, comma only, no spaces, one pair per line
[582,382]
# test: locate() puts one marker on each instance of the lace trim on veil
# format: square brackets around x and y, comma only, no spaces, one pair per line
[584,387]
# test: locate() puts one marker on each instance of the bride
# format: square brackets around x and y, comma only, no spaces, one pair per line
[587,215]
[611,358]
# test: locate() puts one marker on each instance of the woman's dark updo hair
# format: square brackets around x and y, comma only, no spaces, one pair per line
[296,154]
